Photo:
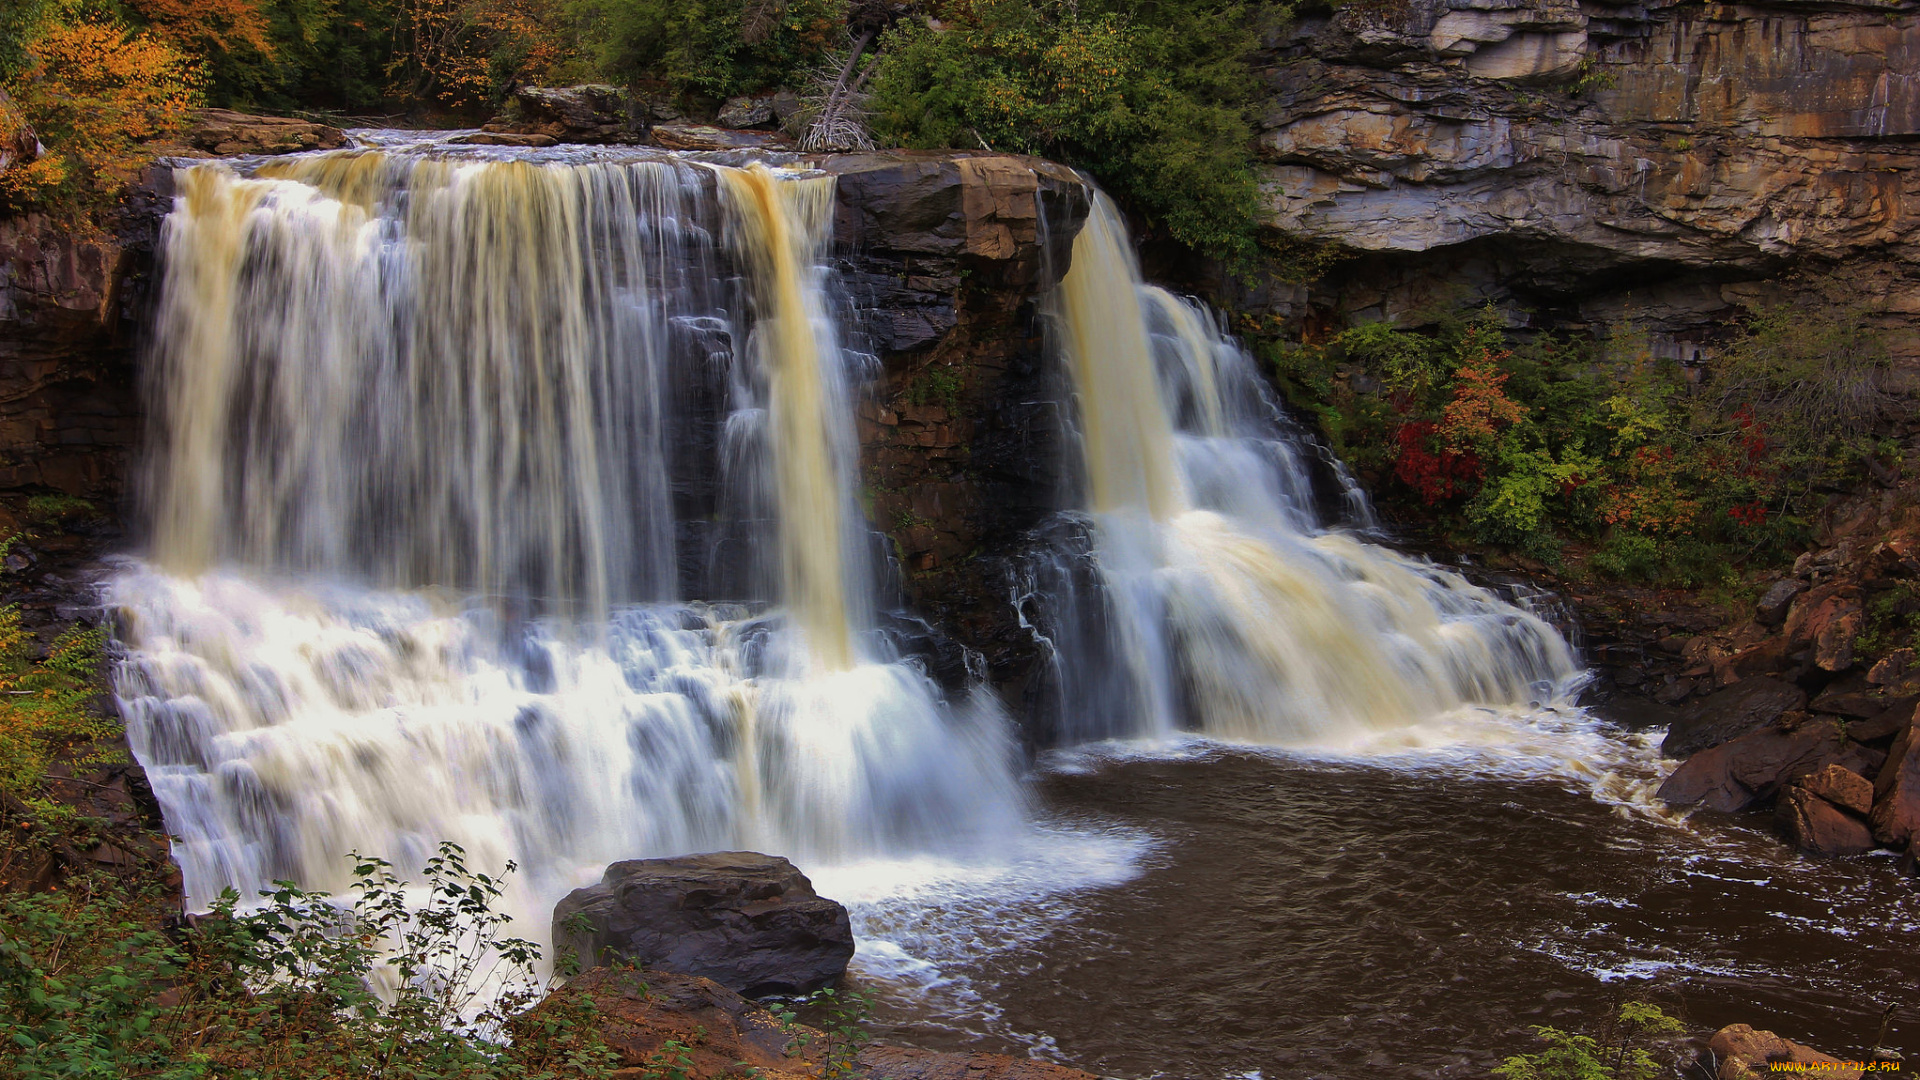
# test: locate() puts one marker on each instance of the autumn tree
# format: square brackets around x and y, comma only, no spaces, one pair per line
[93,90]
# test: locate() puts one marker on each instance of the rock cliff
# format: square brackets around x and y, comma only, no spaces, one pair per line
[1584,161]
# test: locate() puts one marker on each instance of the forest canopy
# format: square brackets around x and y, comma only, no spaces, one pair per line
[1150,96]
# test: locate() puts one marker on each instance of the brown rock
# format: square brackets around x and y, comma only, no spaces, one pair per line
[724,1035]
[222,131]
[589,113]
[1896,791]
[1840,786]
[640,1011]
[681,136]
[1885,725]
[504,138]
[1752,768]
[1818,827]
[1744,707]
[1828,619]
[1893,667]
[902,1063]
[1744,1052]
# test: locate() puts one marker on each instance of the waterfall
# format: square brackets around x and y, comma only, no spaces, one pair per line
[509,502]
[1202,591]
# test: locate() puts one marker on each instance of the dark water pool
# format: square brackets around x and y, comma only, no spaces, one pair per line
[1313,919]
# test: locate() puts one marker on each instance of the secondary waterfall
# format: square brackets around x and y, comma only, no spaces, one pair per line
[455,462]
[1201,590]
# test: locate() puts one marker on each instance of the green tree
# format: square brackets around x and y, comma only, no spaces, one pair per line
[1151,98]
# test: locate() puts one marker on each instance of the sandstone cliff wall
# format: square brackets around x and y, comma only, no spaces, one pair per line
[1580,162]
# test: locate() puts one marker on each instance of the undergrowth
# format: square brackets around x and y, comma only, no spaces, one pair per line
[395,980]
[1656,472]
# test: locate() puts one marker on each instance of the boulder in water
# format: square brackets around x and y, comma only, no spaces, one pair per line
[1751,769]
[750,922]
[1818,827]
[1743,708]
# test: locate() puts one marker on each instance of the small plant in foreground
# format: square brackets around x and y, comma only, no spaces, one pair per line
[1620,1052]
[842,1033]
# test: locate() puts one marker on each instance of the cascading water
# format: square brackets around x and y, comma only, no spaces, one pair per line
[422,424]
[1202,591]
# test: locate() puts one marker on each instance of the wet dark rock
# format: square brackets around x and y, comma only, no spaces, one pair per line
[750,922]
[1886,725]
[1818,827]
[1752,768]
[1744,707]
[1896,791]
[1773,605]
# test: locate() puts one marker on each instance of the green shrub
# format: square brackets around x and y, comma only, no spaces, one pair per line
[1620,1052]
[1150,98]
[89,989]
[710,49]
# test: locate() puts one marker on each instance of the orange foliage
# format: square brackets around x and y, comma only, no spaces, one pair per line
[201,25]
[1649,493]
[92,92]
[1480,408]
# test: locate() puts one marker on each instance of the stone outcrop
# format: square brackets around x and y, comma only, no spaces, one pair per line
[1585,160]
[721,1034]
[1896,791]
[610,115]
[750,922]
[70,303]
[1742,1053]
[1751,769]
[1743,708]
[1818,827]
[579,114]
[944,255]
[225,133]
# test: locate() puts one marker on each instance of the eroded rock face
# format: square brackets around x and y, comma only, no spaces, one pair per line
[223,132]
[1602,159]
[750,922]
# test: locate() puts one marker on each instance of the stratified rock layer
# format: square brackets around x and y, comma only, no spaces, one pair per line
[1585,161]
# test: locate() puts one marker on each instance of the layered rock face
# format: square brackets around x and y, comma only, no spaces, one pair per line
[1594,161]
